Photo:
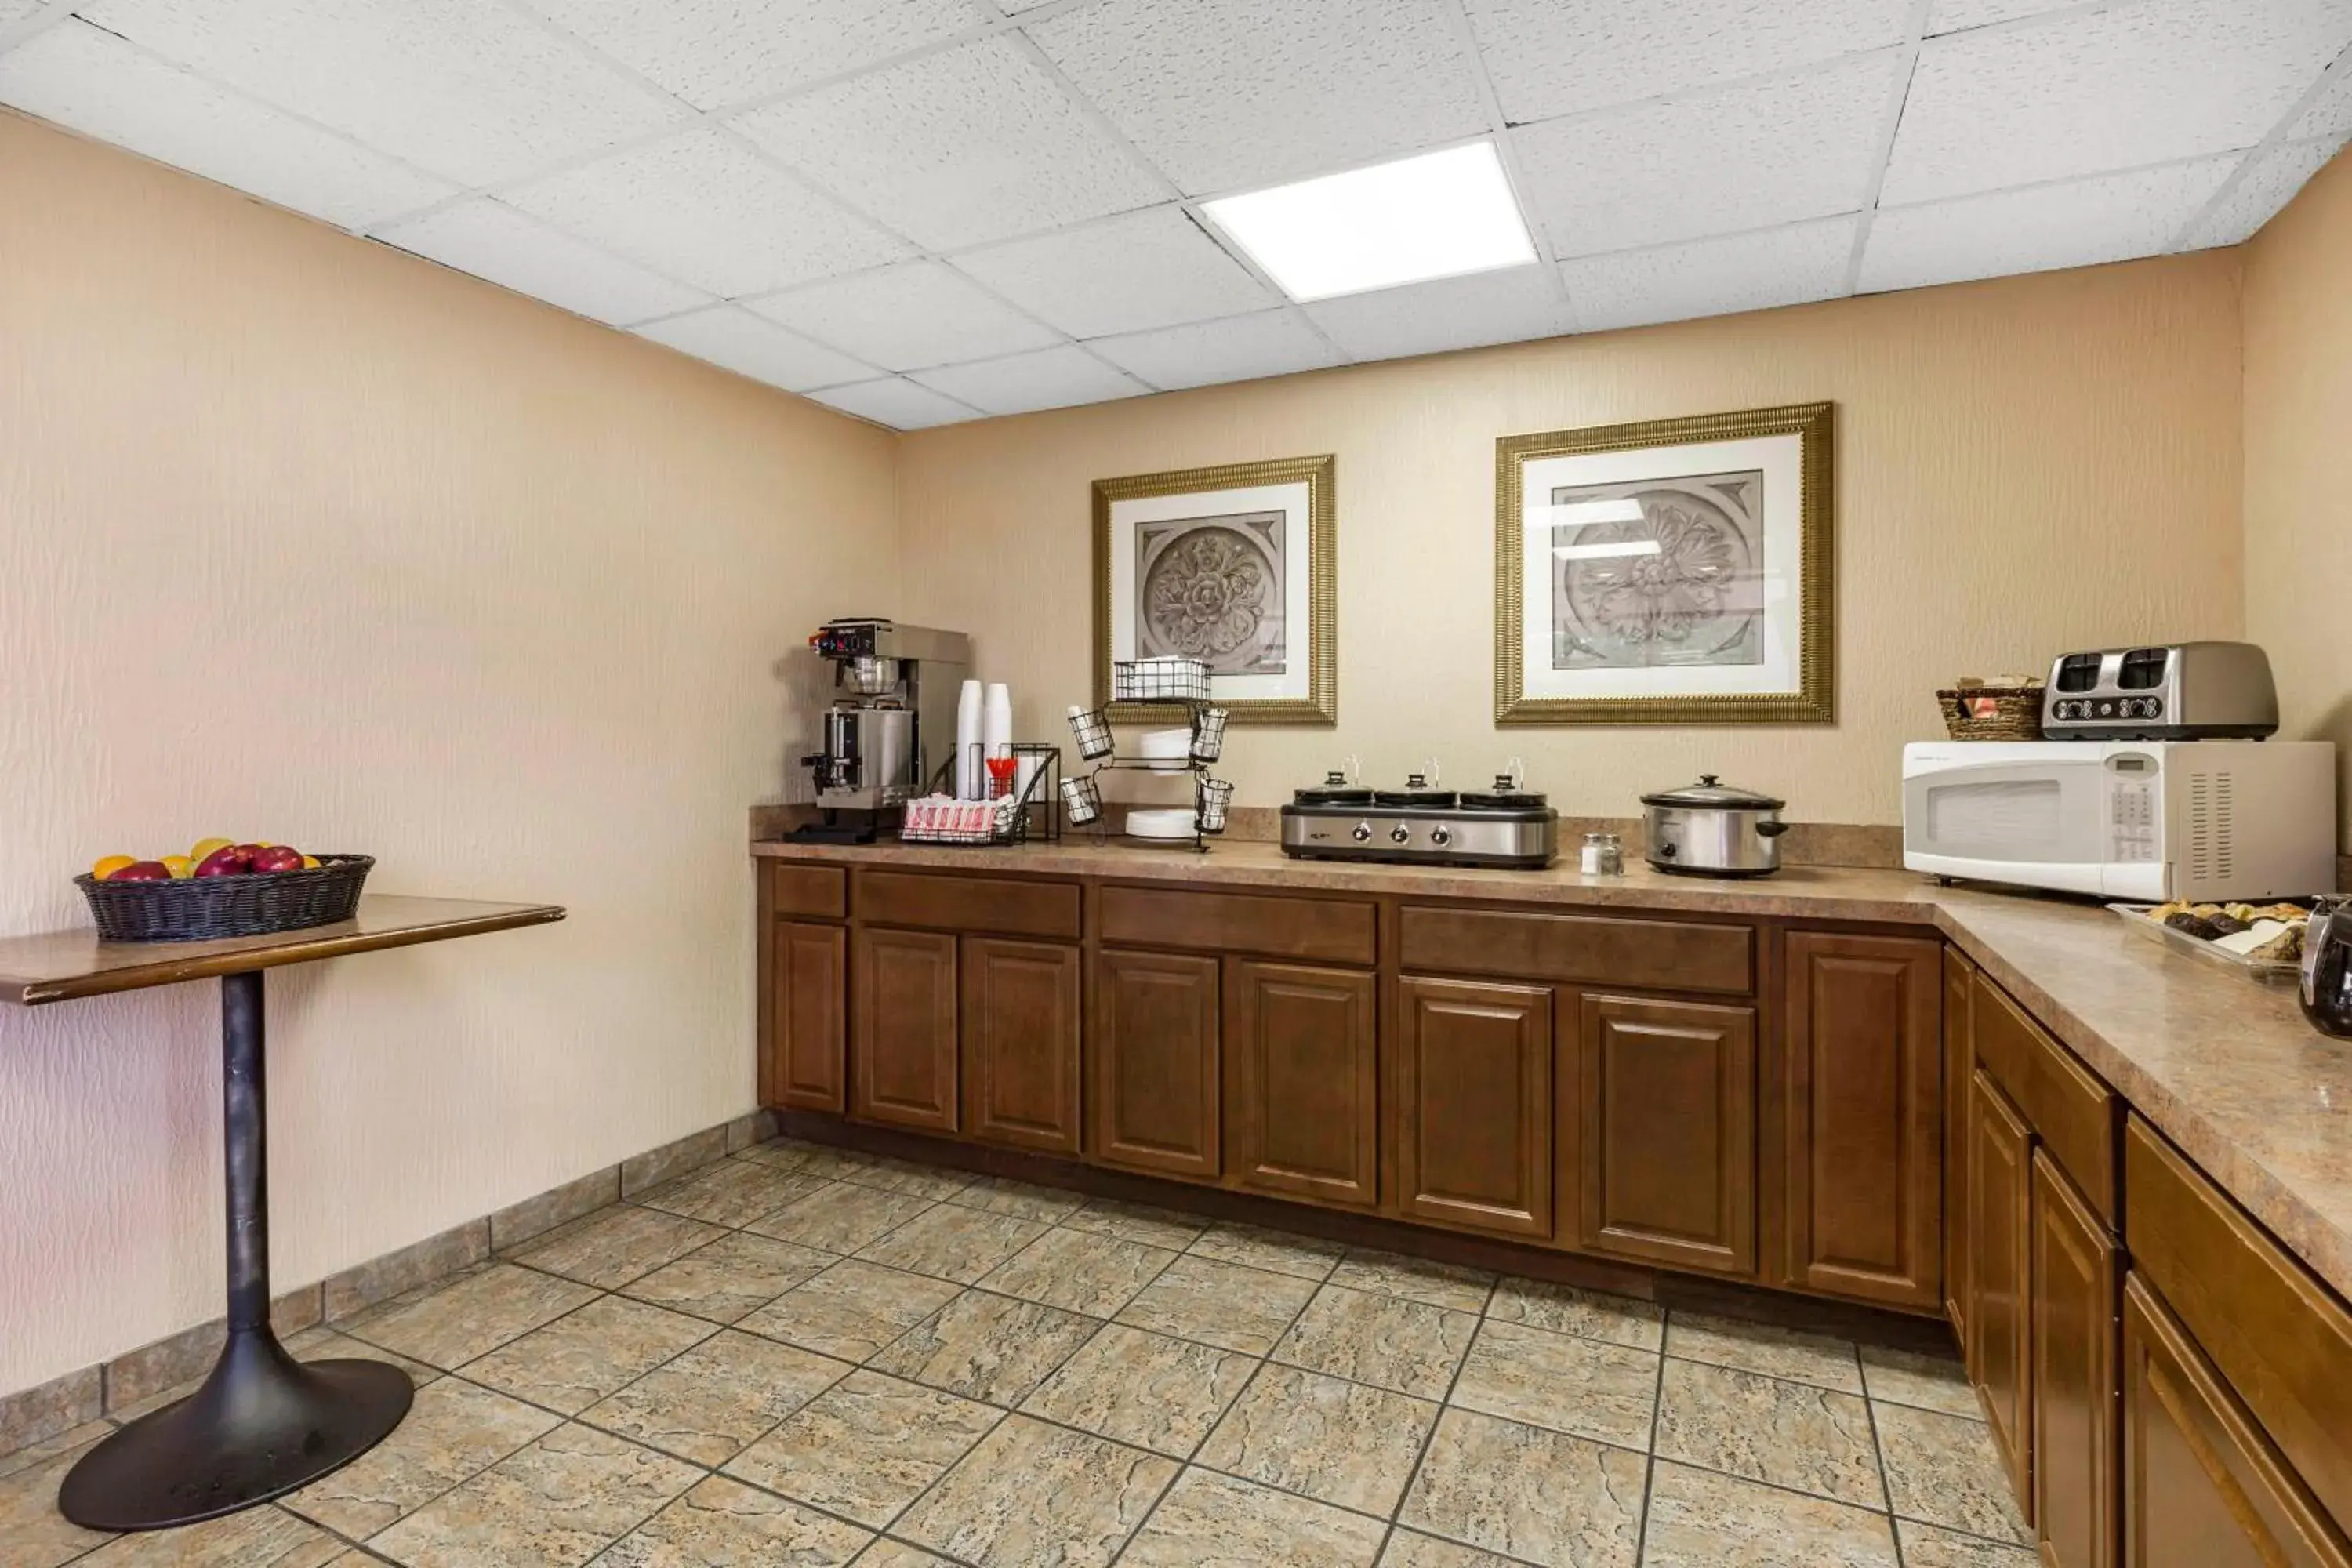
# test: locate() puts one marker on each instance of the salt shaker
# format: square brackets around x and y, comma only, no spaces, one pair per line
[1602,855]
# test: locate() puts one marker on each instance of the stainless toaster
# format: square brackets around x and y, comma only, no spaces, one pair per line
[2171,692]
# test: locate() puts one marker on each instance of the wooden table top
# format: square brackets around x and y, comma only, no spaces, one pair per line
[56,966]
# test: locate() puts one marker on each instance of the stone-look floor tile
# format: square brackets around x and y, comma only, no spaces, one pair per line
[576,1361]
[1583,1386]
[455,1430]
[984,1347]
[32,1531]
[1790,1353]
[1022,1200]
[1209,1520]
[1276,1251]
[1942,1469]
[781,1153]
[1538,1496]
[1334,1441]
[1396,1343]
[842,1217]
[1139,1223]
[1411,1549]
[333,1344]
[1785,1434]
[866,1447]
[1925,1546]
[554,1505]
[40,1414]
[1588,1314]
[1925,1382]
[851,1310]
[614,1246]
[32,1454]
[265,1537]
[1220,1304]
[726,1524]
[1701,1519]
[898,1554]
[931,1182]
[731,1278]
[1032,1493]
[731,1192]
[952,1243]
[711,1401]
[1079,1272]
[1142,1388]
[450,1324]
[820,1159]
[1416,1280]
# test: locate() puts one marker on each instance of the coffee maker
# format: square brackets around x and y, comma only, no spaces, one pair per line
[894,728]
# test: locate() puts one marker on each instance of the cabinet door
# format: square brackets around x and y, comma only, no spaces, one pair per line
[903,1029]
[2001,1275]
[2074,1389]
[1302,1101]
[1473,1105]
[1666,1157]
[1958,975]
[1151,1064]
[808,1048]
[1021,1043]
[1863,1071]
[2202,1487]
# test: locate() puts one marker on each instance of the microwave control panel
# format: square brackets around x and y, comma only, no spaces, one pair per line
[2131,814]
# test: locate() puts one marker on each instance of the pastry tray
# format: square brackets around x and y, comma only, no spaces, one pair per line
[2266,970]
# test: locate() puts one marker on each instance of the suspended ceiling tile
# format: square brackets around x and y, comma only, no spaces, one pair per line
[1547,58]
[1790,266]
[2330,114]
[2098,90]
[2080,223]
[1224,94]
[1508,306]
[718,52]
[707,210]
[732,337]
[14,11]
[896,402]
[909,317]
[1959,15]
[2270,182]
[1140,270]
[1205,354]
[477,93]
[957,148]
[490,240]
[1021,383]
[1795,147]
[93,82]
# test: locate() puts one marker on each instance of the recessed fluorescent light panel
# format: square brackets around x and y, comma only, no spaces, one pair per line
[1439,215]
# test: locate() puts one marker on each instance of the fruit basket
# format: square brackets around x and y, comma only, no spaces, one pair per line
[204,908]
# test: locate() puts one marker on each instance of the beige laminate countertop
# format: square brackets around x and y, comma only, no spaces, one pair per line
[2227,1068]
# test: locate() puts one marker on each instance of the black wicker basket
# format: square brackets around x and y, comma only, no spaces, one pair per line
[201,909]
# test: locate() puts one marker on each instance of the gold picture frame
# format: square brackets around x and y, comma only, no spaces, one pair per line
[1307,698]
[1810,698]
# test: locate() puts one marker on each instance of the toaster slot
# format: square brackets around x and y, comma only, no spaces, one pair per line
[2078,672]
[2143,669]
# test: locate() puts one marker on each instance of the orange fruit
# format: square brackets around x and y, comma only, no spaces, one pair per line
[310,862]
[180,866]
[204,846]
[108,865]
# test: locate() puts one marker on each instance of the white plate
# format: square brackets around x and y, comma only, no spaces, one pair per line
[1160,822]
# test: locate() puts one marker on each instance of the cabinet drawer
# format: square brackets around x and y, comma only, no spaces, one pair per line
[2281,1339]
[969,903]
[2074,1113]
[1332,931]
[1649,955]
[808,892]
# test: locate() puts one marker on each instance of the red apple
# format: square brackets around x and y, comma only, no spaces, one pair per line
[142,871]
[233,861]
[278,857]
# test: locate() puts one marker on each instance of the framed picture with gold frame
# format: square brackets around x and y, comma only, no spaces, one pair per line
[1671,571]
[1235,566]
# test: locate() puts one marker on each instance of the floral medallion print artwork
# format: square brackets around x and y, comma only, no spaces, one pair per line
[1680,584]
[1211,589]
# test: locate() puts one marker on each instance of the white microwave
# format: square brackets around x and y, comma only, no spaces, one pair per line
[2147,822]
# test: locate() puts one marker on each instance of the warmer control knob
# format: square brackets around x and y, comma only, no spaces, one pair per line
[1400,834]
[1440,836]
[1361,833]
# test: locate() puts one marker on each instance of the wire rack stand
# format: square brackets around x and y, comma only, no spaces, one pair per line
[1081,801]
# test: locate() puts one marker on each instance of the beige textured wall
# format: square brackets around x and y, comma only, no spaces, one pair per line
[2299,329]
[2025,466]
[306,540]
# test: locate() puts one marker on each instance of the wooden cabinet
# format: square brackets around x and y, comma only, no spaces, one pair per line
[1664,1167]
[807,1044]
[1862,1073]
[1020,1042]
[2202,1487]
[1999,1221]
[1473,1105]
[903,1005]
[1151,1064]
[1960,1064]
[1302,1082]
[2074,1267]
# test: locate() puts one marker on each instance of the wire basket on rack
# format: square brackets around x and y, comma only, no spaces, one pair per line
[1081,799]
[1167,678]
[1092,731]
[1216,795]
[1209,735]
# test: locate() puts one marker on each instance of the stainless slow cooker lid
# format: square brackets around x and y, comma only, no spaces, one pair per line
[1709,792]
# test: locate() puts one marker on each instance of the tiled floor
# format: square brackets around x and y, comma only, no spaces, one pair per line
[800,1357]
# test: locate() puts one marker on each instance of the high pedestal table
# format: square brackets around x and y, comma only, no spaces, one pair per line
[263,1424]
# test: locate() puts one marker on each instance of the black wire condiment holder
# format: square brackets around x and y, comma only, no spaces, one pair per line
[1028,812]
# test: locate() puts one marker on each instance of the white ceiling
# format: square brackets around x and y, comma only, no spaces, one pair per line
[926,211]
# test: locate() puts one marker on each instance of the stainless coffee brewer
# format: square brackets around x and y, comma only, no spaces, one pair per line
[892,731]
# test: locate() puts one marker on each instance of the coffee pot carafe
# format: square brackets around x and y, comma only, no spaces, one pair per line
[2327,992]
